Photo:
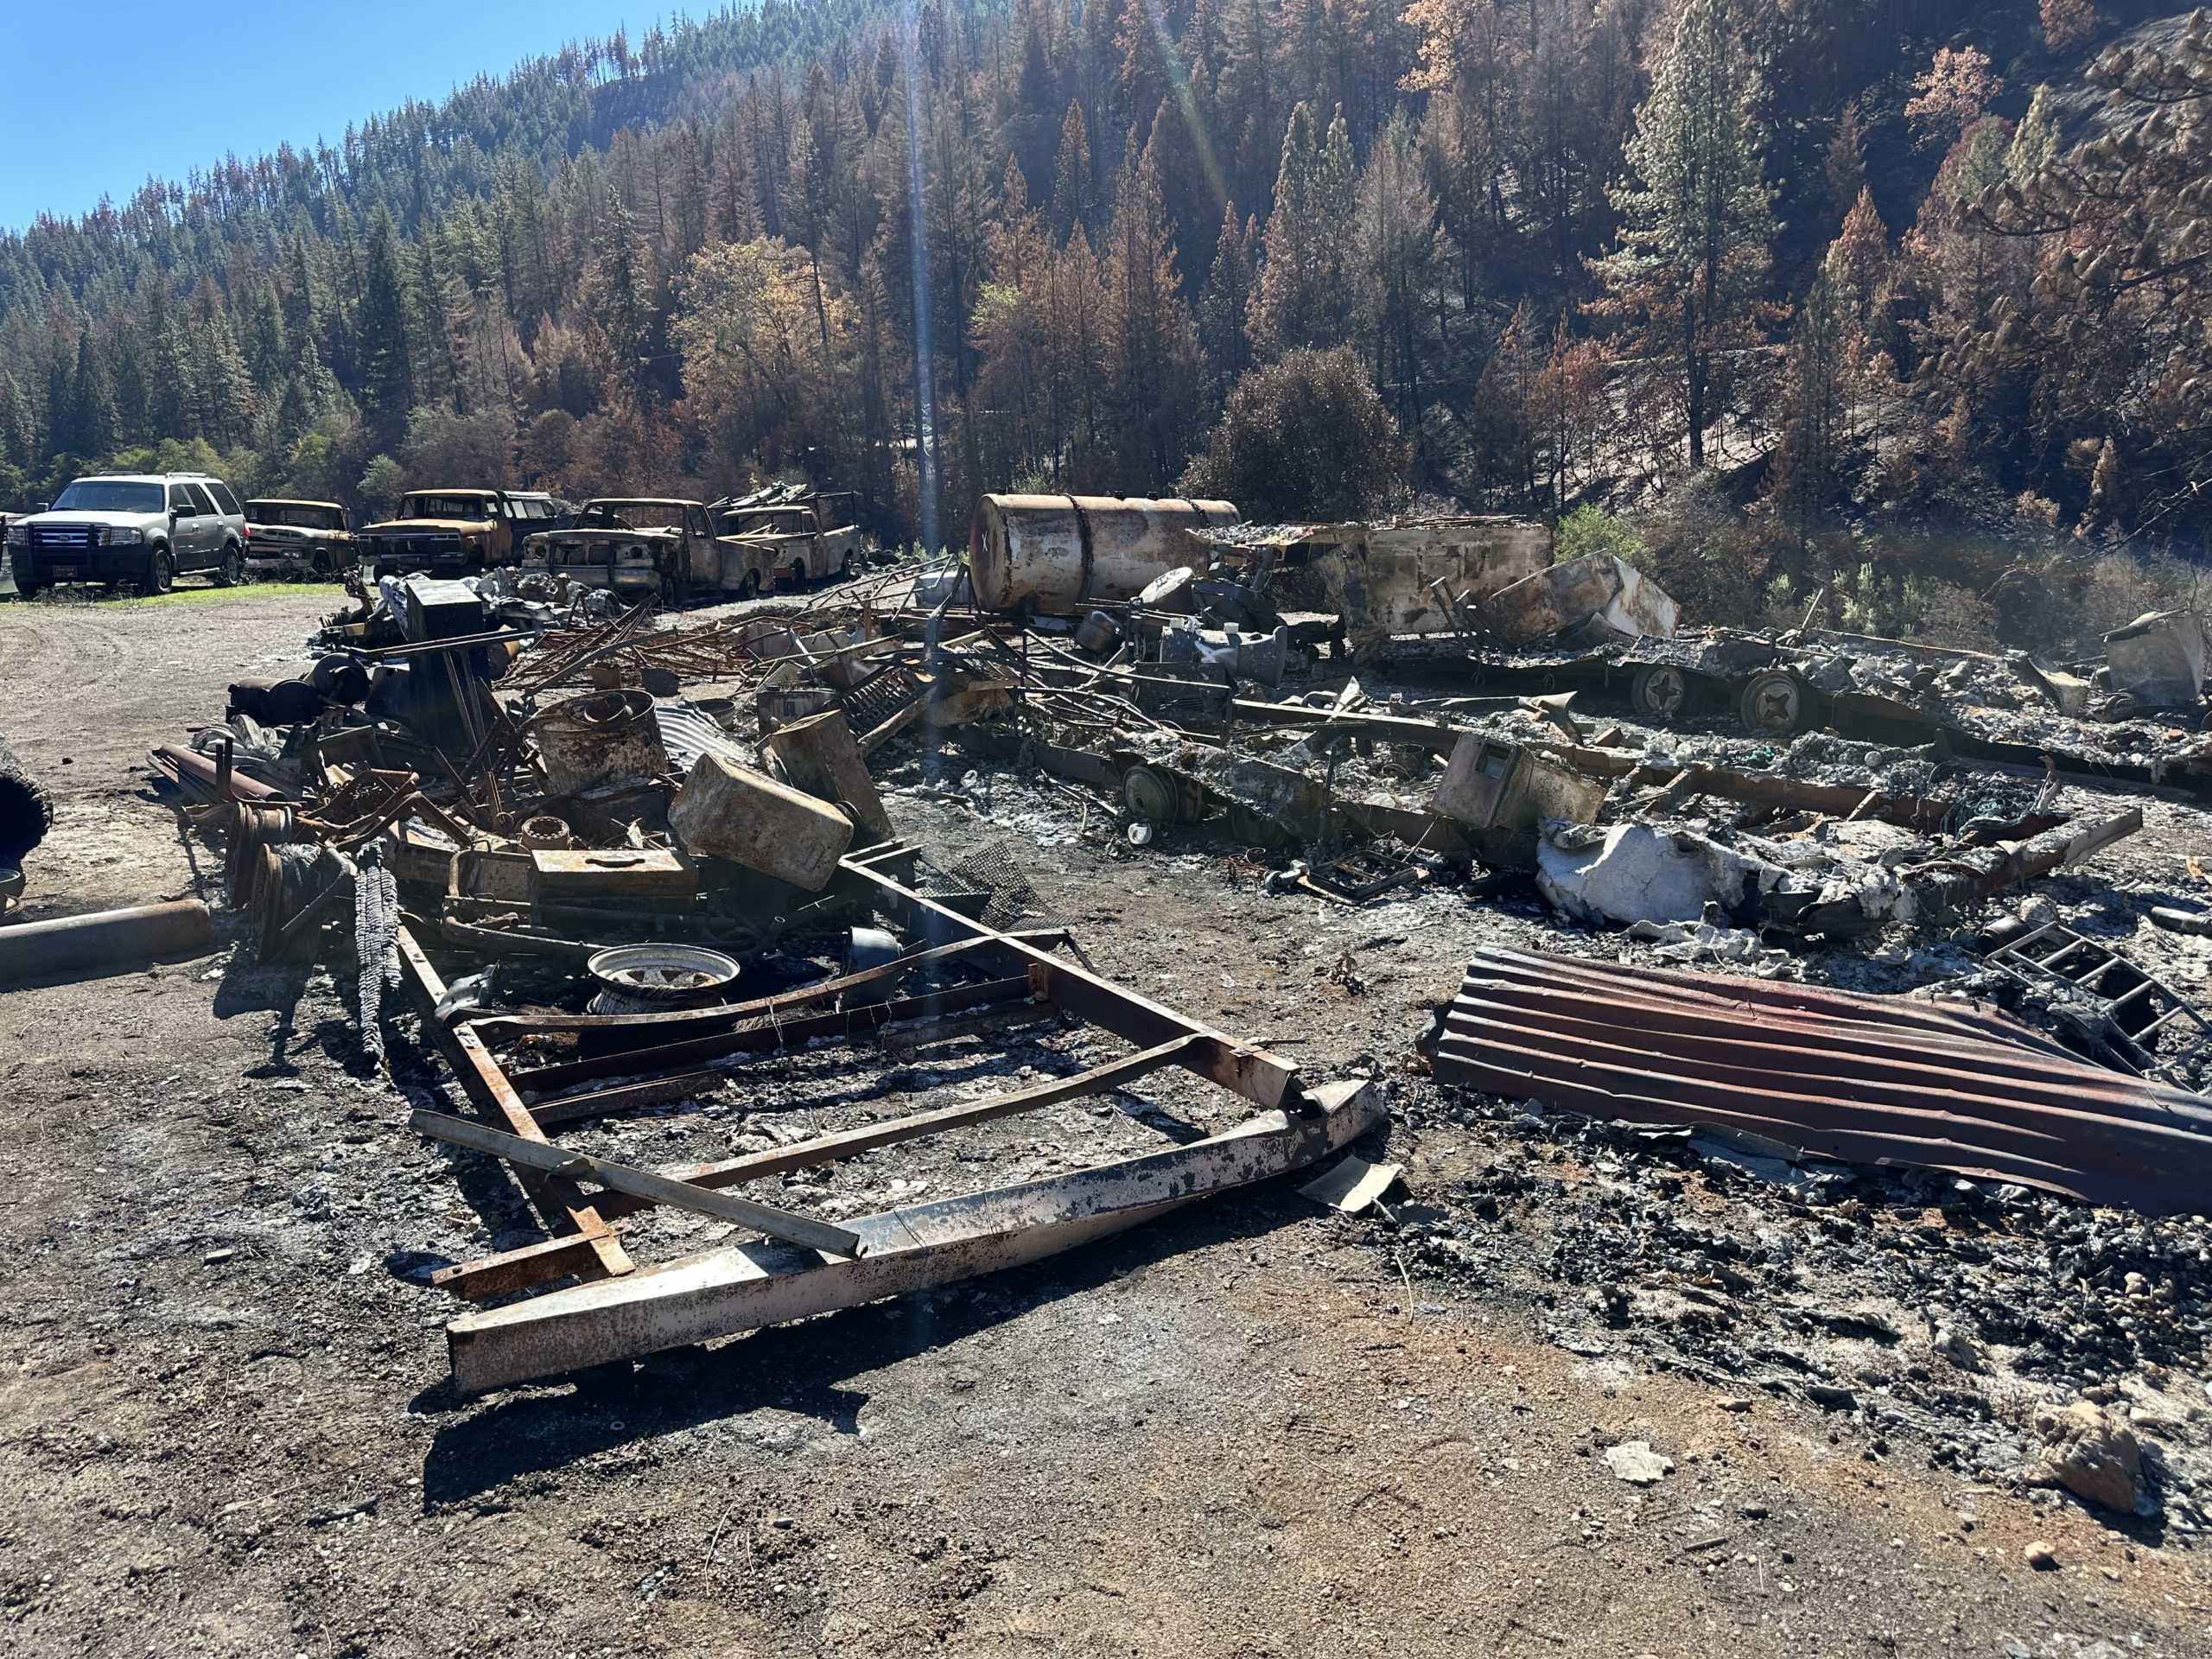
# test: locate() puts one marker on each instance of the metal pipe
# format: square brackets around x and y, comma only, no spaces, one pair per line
[108,940]
[196,771]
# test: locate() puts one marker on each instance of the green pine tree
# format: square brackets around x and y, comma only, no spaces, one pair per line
[1307,271]
[1693,258]
[386,348]
[92,403]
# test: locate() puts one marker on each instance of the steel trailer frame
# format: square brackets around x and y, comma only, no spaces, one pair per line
[589,1302]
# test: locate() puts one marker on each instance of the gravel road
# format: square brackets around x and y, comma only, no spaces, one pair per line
[1253,1429]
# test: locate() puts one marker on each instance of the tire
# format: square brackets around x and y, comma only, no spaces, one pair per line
[845,565]
[750,587]
[798,575]
[1151,795]
[26,812]
[161,572]
[668,599]
[1773,703]
[1659,691]
[28,590]
[231,572]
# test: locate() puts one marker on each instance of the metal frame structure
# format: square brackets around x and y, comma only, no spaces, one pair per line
[2126,1016]
[592,1303]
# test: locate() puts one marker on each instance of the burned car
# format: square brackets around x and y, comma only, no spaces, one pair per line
[780,537]
[299,539]
[641,548]
[458,532]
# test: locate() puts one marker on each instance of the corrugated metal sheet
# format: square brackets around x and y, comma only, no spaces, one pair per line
[1872,1080]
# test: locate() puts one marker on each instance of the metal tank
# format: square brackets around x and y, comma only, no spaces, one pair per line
[1059,553]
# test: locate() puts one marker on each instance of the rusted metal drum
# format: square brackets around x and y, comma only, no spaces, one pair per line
[1057,554]
[609,738]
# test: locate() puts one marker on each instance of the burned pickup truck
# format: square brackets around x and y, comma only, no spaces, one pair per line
[784,537]
[299,539]
[458,532]
[640,547]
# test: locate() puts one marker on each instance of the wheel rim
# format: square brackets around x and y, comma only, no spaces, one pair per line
[1661,690]
[233,568]
[1149,795]
[163,573]
[1771,704]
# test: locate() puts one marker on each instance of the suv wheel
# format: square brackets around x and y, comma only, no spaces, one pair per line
[161,572]
[750,587]
[230,573]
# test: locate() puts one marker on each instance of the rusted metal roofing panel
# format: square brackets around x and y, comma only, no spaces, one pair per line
[1873,1080]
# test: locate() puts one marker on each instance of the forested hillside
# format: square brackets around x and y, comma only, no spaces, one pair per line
[1889,295]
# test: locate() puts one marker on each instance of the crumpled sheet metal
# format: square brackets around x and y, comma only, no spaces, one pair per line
[1596,588]
[1871,1080]
[1640,872]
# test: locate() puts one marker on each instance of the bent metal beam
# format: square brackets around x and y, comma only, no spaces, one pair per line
[746,1286]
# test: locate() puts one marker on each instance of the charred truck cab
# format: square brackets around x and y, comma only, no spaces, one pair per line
[457,532]
[299,539]
[784,538]
[640,547]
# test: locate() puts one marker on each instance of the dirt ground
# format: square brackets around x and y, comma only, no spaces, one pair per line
[1253,1429]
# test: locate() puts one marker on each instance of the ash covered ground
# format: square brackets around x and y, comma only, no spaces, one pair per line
[1254,1427]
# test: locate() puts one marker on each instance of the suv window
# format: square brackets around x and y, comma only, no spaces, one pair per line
[200,503]
[180,500]
[109,495]
[224,498]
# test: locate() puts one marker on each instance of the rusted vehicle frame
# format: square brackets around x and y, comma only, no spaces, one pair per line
[449,546]
[769,556]
[325,553]
[680,560]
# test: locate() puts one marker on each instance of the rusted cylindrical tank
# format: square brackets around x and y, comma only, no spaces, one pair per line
[607,737]
[1060,553]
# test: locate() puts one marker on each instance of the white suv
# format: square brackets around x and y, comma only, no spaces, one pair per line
[146,528]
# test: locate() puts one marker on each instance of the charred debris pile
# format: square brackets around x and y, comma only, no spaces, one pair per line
[618,862]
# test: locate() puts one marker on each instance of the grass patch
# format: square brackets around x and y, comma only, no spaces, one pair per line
[251,593]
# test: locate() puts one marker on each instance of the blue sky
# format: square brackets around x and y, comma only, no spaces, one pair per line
[98,94]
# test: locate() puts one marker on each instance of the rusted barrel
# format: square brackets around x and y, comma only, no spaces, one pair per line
[1059,553]
[610,737]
